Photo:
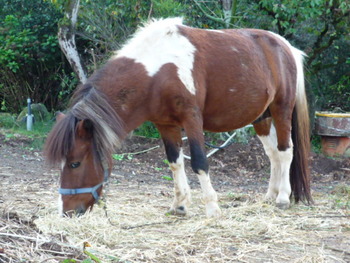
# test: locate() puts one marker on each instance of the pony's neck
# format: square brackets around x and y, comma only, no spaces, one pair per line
[126,84]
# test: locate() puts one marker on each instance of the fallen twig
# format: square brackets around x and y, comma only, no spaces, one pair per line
[151,224]
[143,151]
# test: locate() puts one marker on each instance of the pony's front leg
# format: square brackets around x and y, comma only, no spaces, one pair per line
[172,141]
[182,198]
[200,166]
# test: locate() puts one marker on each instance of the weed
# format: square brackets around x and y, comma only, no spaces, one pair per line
[235,196]
[121,157]
[168,178]
[341,196]
[316,144]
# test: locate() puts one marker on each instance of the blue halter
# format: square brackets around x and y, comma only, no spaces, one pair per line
[92,190]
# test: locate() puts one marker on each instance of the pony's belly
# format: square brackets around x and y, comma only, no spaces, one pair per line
[226,123]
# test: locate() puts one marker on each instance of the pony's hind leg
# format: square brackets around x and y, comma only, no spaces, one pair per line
[279,185]
[172,141]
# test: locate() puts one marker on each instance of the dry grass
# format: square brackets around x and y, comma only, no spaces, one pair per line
[137,230]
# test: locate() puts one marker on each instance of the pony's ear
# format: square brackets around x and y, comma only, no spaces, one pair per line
[60,116]
[85,129]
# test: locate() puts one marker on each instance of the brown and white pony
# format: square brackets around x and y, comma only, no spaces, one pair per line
[180,77]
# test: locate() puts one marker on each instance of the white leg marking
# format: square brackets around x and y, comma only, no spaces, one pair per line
[270,146]
[181,188]
[160,43]
[279,185]
[210,197]
[285,158]
[60,205]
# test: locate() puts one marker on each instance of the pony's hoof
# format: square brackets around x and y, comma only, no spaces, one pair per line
[270,197]
[180,211]
[283,206]
[213,210]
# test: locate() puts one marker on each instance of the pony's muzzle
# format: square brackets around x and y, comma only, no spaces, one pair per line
[79,211]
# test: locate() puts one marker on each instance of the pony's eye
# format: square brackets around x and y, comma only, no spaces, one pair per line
[75,165]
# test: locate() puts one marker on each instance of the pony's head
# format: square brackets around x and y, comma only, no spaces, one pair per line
[82,174]
[82,142]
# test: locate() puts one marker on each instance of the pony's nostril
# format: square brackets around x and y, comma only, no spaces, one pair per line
[80,210]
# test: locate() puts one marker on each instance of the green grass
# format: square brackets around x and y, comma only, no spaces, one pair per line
[36,137]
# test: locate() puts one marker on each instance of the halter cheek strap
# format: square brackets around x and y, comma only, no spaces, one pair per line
[92,190]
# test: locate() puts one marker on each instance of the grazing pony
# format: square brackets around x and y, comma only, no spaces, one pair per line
[180,77]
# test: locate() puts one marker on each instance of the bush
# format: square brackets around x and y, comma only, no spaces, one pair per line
[30,56]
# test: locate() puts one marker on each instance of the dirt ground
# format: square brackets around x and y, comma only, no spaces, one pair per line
[240,173]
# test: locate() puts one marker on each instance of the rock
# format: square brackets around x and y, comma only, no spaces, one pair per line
[38,110]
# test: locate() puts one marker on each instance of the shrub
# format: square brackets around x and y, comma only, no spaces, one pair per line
[30,56]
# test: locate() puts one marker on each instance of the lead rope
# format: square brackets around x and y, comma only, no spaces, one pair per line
[102,202]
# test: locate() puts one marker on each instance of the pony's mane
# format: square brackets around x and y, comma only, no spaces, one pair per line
[88,103]
[149,33]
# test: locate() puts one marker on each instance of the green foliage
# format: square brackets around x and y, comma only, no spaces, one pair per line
[7,120]
[33,66]
[108,25]
[147,130]
[167,8]
[29,53]
[337,96]
[67,84]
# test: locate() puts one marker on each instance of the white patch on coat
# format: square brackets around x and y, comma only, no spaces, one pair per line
[279,185]
[234,49]
[160,43]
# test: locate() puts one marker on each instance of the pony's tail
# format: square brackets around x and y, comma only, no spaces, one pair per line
[299,170]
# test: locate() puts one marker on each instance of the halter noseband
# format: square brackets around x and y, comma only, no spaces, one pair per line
[92,190]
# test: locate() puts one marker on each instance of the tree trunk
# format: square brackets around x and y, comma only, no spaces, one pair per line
[66,38]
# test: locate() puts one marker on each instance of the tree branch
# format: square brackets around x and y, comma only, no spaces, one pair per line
[66,38]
